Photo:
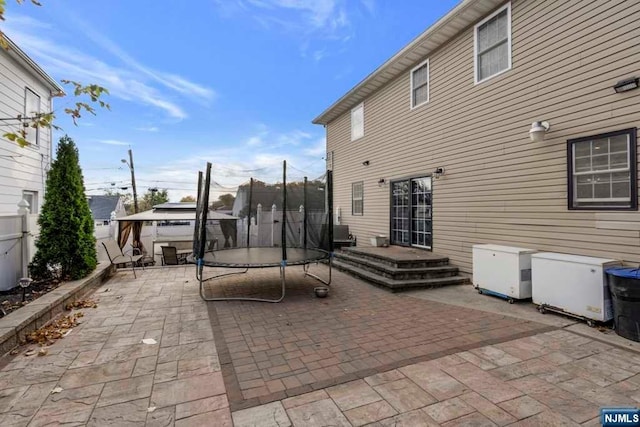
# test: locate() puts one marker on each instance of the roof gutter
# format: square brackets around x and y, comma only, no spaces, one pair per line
[385,72]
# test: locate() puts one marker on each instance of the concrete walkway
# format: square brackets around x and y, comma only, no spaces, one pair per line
[103,374]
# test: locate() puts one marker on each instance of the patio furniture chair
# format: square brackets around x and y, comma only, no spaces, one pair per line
[170,256]
[342,237]
[116,256]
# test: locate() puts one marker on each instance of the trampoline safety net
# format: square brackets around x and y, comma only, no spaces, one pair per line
[293,214]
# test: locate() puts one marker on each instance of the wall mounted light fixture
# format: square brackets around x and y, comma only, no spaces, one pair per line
[627,85]
[537,131]
[382,181]
[438,172]
[366,163]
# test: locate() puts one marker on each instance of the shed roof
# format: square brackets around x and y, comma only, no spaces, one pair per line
[167,215]
[467,13]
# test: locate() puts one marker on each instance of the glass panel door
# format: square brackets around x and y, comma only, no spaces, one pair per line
[421,212]
[411,222]
[400,219]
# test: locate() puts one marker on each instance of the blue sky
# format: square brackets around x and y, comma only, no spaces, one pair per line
[233,82]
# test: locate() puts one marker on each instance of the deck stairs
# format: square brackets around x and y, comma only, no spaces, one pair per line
[398,268]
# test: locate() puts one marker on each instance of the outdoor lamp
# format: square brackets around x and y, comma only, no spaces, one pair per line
[627,84]
[24,283]
[538,129]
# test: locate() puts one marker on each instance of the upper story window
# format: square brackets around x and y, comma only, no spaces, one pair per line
[357,198]
[493,44]
[420,84]
[357,122]
[602,171]
[31,109]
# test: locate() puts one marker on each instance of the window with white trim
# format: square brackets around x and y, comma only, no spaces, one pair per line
[357,122]
[493,44]
[420,84]
[602,171]
[31,110]
[357,198]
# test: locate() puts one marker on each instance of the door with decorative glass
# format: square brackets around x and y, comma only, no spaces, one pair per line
[411,220]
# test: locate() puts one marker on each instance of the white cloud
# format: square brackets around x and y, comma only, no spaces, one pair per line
[319,148]
[319,21]
[113,142]
[147,129]
[130,80]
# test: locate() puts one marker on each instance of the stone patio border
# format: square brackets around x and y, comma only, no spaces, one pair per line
[17,324]
[238,402]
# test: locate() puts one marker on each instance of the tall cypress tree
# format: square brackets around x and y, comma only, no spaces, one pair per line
[67,245]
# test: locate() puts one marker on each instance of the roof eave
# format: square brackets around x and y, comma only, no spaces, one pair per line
[454,22]
[22,57]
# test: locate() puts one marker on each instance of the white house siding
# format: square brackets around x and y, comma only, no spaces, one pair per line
[499,186]
[21,168]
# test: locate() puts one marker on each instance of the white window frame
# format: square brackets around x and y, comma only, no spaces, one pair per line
[28,114]
[475,44]
[354,110]
[357,199]
[412,104]
[624,203]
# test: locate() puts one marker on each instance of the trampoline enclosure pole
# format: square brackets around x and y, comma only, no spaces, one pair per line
[306,209]
[196,229]
[205,211]
[284,211]
[330,206]
[249,214]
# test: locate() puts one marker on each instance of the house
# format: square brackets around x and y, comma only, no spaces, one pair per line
[436,148]
[102,208]
[25,89]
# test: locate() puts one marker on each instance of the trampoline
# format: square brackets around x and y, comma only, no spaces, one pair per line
[298,231]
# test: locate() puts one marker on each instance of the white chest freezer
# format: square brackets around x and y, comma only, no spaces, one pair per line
[504,271]
[572,284]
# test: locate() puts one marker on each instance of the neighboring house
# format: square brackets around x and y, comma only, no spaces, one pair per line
[103,206]
[25,90]
[434,150]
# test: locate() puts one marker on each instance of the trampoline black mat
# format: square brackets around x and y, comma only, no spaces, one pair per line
[261,257]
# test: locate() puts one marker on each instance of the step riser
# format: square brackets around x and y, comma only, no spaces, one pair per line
[400,264]
[433,274]
[401,286]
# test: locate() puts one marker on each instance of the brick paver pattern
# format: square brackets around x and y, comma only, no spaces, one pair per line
[556,378]
[272,351]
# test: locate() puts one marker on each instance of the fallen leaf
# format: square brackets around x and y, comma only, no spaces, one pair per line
[30,352]
[56,390]
[149,341]
[14,352]
[151,408]
[85,303]
[43,352]
[107,290]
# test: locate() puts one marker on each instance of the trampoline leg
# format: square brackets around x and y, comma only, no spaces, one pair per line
[325,282]
[205,298]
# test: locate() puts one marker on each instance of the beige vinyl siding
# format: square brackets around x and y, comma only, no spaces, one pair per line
[21,168]
[500,187]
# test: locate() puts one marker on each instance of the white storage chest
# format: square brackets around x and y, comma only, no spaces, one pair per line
[572,284]
[504,271]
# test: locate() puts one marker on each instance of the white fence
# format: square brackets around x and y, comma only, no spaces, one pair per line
[17,247]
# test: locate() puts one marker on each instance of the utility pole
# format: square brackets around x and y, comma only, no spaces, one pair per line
[133,180]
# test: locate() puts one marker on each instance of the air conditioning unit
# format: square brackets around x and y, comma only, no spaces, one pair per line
[503,271]
[572,284]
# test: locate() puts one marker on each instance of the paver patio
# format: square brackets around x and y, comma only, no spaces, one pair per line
[109,377]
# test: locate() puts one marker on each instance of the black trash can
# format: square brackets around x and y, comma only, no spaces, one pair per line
[624,285]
